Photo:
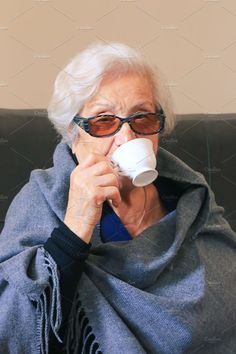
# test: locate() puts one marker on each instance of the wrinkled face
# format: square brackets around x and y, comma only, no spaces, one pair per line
[121,96]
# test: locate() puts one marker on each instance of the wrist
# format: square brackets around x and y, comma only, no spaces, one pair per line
[80,228]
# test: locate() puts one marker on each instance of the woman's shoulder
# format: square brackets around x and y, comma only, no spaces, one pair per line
[172,167]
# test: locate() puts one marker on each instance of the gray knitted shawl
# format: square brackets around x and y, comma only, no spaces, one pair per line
[170,290]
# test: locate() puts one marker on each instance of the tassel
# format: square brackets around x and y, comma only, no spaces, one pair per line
[80,332]
[49,307]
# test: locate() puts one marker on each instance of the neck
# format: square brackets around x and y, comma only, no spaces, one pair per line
[140,208]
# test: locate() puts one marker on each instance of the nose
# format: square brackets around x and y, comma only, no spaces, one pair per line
[124,134]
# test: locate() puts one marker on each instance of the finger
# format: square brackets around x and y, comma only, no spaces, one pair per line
[92,159]
[105,147]
[86,145]
[100,168]
[107,180]
[113,194]
[106,193]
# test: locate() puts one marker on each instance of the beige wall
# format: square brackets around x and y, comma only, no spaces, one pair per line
[193,42]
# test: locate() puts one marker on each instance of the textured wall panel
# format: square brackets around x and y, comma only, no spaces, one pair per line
[193,42]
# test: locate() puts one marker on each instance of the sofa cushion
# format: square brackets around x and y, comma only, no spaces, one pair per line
[205,142]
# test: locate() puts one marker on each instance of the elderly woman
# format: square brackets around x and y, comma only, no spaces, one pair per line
[90,262]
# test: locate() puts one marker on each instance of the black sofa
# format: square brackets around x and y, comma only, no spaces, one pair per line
[205,142]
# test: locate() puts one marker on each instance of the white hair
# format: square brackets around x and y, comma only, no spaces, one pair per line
[81,78]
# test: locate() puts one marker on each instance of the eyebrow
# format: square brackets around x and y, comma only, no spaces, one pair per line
[105,105]
[138,105]
[142,104]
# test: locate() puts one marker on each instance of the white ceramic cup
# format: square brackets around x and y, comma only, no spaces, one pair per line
[136,160]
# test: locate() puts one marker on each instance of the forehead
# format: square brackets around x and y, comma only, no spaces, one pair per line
[124,90]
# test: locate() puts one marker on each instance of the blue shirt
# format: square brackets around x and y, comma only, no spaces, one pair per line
[112,228]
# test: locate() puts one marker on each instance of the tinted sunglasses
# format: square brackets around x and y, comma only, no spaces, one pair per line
[104,125]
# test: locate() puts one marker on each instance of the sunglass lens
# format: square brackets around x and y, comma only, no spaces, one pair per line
[103,125]
[147,124]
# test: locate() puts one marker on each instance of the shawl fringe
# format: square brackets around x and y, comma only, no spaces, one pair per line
[49,307]
[80,332]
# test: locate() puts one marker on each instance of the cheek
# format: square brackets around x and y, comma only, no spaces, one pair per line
[154,141]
